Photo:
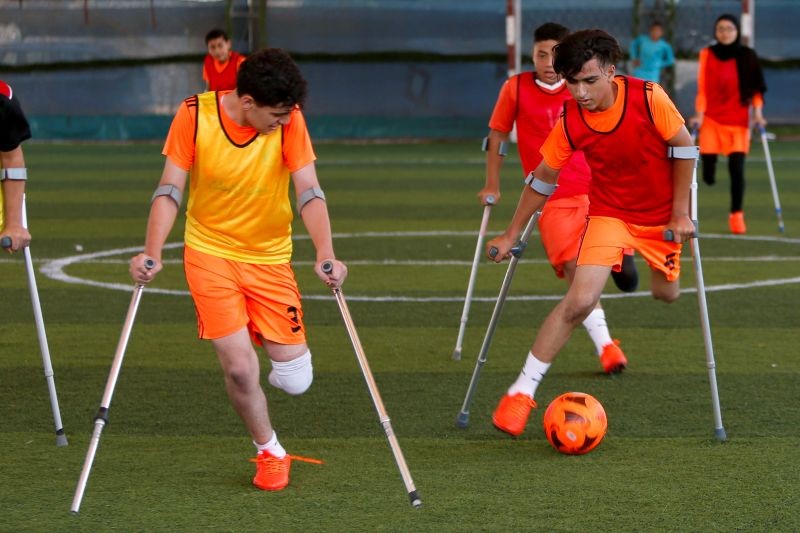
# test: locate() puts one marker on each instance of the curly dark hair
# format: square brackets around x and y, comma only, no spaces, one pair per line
[582,46]
[272,78]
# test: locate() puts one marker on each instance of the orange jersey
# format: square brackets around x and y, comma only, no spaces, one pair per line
[536,109]
[221,76]
[239,204]
[631,174]
[718,91]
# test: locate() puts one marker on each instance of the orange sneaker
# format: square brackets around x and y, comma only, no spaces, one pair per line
[512,413]
[273,473]
[612,358]
[736,223]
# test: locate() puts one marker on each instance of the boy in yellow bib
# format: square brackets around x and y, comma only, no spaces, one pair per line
[241,148]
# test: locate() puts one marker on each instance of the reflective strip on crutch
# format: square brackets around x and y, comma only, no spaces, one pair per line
[383,416]
[719,430]
[462,420]
[771,171]
[472,275]
[101,419]
[61,438]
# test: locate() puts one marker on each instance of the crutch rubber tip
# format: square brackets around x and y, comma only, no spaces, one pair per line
[61,438]
[327,267]
[457,354]
[462,420]
[5,242]
[416,502]
[720,434]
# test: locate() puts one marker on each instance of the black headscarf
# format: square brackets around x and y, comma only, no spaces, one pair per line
[751,79]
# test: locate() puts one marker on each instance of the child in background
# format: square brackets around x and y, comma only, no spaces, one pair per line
[221,63]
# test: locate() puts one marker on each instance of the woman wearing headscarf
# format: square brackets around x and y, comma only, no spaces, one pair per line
[729,81]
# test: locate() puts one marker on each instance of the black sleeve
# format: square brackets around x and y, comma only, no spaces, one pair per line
[14,126]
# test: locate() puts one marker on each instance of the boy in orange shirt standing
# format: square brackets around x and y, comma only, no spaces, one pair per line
[241,149]
[641,157]
[534,101]
[221,63]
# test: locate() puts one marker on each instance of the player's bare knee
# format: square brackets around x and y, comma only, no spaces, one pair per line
[577,308]
[293,377]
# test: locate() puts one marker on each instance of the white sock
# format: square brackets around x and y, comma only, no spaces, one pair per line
[272,446]
[530,377]
[597,328]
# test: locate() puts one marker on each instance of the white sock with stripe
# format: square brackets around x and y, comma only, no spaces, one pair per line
[530,377]
[597,328]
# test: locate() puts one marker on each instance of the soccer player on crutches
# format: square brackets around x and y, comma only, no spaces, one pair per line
[14,235]
[765,144]
[534,101]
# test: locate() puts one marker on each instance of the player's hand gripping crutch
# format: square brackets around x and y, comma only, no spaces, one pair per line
[327,267]
[101,419]
[463,416]
[719,430]
[61,438]
[472,275]
[771,171]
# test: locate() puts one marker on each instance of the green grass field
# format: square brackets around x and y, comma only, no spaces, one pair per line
[174,456]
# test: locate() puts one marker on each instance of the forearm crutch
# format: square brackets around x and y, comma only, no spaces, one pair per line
[719,430]
[472,275]
[771,171]
[463,416]
[383,416]
[61,438]
[101,419]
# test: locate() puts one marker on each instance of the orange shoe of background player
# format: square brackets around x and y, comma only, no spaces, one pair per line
[273,473]
[736,223]
[512,413]
[612,358]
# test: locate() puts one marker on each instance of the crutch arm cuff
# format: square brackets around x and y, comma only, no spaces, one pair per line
[540,186]
[14,174]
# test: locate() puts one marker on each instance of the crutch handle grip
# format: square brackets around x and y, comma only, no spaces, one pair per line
[516,251]
[490,200]
[670,236]
[6,242]
[327,267]
[149,263]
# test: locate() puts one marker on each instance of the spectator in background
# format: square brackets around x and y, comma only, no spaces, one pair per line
[650,54]
[729,81]
[221,63]
[14,129]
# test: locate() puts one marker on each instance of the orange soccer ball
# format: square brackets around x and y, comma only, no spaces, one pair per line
[575,423]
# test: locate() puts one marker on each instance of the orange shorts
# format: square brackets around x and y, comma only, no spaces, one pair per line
[716,138]
[561,225]
[606,238]
[229,295]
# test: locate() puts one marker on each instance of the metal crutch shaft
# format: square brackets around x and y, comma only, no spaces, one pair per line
[49,376]
[472,276]
[772,183]
[383,416]
[101,419]
[462,420]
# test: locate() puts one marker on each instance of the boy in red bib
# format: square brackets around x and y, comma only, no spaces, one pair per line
[221,63]
[641,157]
[534,101]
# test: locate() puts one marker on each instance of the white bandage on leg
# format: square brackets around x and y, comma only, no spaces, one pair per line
[295,376]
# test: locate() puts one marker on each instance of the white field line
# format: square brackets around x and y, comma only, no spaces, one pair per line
[54,269]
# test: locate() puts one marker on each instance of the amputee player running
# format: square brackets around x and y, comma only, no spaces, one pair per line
[641,157]
[14,129]
[241,148]
[535,100]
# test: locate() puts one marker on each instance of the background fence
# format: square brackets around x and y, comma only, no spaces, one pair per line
[117,69]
